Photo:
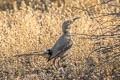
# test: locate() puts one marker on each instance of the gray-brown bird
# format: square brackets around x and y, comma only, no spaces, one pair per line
[63,44]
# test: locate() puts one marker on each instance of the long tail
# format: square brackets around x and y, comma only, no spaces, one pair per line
[30,54]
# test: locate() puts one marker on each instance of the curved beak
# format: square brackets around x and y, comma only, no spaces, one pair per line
[75,19]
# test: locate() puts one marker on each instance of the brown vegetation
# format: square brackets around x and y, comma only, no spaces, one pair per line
[95,54]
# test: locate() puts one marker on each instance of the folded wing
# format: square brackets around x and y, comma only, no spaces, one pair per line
[61,46]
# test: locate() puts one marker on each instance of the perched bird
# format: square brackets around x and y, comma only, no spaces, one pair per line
[64,42]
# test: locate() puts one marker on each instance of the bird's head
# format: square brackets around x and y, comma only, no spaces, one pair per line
[65,25]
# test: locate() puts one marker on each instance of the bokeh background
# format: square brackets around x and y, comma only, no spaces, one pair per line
[28,26]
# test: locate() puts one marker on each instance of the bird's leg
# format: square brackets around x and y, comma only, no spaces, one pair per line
[59,62]
[54,63]
[65,55]
[62,58]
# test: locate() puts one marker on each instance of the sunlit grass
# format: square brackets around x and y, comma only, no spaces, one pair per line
[29,29]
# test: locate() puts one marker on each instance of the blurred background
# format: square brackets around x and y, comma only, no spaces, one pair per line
[34,25]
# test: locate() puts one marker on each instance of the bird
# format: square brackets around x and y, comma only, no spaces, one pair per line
[64,42]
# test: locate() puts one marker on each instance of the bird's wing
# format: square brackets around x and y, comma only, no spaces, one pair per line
[61,45]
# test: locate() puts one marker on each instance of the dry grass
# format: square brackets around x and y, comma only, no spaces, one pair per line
[95,54]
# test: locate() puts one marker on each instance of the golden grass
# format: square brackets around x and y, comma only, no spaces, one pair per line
[28,30]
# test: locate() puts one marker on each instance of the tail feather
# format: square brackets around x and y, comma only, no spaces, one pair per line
[31,54]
